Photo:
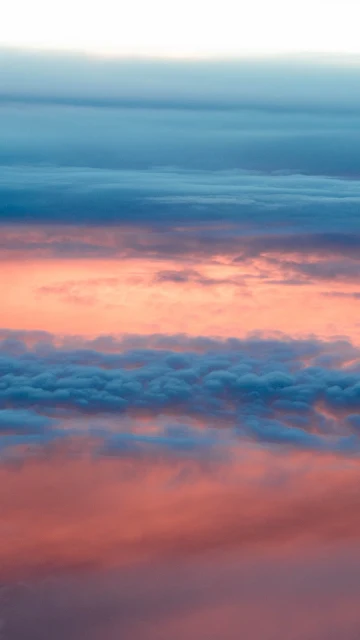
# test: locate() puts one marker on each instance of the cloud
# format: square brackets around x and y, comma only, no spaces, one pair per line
[321,244]
[355,295]
[180,440]
[186,276]
[302,84]
[23,422]
[129,195]
[269,141]
[205,256]
[255,389]
[220,467]
[333,270]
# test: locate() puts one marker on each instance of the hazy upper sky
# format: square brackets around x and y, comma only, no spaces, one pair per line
[192,28]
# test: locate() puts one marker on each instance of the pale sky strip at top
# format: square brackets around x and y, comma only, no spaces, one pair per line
[191,28]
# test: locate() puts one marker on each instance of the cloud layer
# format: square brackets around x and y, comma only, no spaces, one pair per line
[303,394]
[180,372]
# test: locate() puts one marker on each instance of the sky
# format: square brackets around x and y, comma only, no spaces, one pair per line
[191,28]
[179,335]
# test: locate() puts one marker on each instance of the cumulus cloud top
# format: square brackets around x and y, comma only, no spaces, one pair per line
[303,393]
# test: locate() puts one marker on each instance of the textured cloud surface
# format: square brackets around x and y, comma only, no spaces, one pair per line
[297,393]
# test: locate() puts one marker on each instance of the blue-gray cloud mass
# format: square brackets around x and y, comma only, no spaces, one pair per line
[102,141]
[251,388]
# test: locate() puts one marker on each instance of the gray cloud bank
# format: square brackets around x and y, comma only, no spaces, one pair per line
[96,141]
[302,393]
[168,197]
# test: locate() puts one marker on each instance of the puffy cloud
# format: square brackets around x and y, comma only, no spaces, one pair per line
[294,392]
